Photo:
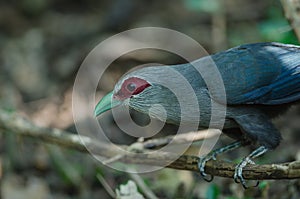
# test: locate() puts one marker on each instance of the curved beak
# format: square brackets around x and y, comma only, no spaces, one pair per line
[106,103]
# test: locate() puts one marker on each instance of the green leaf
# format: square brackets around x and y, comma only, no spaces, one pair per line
[212,192]
[263,185]
[210,6]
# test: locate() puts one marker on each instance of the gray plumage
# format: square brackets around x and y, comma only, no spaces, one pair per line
[253,83]
[261,80]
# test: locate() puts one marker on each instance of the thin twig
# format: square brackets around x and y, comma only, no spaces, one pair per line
[141,184]
[106,186]
[113,159]
[181,138]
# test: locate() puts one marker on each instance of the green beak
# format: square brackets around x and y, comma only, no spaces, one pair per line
[106,103]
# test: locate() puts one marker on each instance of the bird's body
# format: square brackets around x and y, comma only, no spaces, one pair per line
[261,81]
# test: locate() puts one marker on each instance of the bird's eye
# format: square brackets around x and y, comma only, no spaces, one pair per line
[131,87]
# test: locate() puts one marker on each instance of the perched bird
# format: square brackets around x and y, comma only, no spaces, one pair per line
[261,81]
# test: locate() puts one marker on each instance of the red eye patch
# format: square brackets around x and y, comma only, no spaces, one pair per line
[131,86]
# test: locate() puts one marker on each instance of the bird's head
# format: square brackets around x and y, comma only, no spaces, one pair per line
[124,90]
[139,90]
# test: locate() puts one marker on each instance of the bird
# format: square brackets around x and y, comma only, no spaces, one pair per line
[261,81]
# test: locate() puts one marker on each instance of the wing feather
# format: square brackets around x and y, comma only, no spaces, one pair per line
[262,73]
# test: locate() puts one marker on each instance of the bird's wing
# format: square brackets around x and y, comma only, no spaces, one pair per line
[263,73]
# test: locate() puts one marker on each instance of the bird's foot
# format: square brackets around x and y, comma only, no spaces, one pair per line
[202,163]
[213,156]
[238,175]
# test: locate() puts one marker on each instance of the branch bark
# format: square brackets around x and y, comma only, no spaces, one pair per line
[292,13]
[13,123]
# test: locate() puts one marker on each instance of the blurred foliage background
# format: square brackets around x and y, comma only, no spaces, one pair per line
[43,43]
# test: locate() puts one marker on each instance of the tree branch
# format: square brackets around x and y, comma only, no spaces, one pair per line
[15,124]
[181,138]
[292,13]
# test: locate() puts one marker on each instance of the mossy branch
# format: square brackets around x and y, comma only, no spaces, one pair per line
[12,123]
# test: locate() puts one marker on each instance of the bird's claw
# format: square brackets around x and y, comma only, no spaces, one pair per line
[207,179]
[238,174]
[201,166]
[213,156]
